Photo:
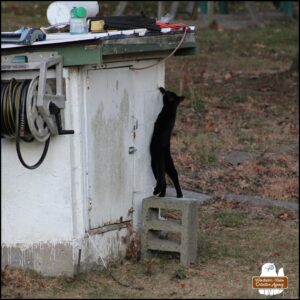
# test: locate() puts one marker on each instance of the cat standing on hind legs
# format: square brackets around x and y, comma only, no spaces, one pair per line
[161,159]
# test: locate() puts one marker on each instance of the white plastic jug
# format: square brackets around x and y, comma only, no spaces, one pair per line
[60,11]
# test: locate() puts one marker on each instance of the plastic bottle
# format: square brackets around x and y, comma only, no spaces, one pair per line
[59,11]
[78,22]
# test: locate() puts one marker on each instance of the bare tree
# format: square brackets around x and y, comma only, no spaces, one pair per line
[160,9]
[174,8]
[251,7]
[190,7]
[120,8]
[210,11]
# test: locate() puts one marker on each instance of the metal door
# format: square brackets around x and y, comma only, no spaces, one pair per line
[110,121]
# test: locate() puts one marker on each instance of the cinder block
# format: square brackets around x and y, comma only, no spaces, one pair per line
[187,227]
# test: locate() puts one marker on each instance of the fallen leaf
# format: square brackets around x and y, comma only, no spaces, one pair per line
[274,254]
[259,45]
[189,120]
[243,184]
[286,216]
[210,127]
[294,130]
[228,76]
[265,89]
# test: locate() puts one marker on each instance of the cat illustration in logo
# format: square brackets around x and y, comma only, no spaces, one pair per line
[269,270]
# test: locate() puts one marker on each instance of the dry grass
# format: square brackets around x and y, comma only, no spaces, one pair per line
[239,98]
[235,239]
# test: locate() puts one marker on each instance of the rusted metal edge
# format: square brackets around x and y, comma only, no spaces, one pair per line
[110,227]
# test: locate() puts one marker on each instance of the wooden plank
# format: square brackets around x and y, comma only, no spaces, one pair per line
[110,227]
[73,54]
[147,44]
[93,51]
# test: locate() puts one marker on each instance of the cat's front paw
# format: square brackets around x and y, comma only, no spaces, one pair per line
[179,196]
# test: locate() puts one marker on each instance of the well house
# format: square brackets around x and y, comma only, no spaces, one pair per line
[77,205]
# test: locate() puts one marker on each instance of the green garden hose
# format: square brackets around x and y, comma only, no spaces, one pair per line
[13,116]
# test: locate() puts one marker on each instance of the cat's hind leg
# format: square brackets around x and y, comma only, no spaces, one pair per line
[171,171]
[154,170]
[161,179]
[158,169]
[163,190]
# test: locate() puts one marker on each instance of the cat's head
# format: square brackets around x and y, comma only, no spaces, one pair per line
[170,99]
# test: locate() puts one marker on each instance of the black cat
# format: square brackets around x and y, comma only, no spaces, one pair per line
[161,160]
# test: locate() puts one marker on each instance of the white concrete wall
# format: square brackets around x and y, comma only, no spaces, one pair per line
[36,204]
[100,249]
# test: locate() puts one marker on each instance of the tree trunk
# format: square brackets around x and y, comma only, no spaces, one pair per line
[173,9]
[210,11]
[251,7]
[160,9]
[120,8]
[190,7]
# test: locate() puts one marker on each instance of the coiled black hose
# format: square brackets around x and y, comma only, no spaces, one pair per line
[13,117]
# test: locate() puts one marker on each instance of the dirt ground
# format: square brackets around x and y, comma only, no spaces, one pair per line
[240,96]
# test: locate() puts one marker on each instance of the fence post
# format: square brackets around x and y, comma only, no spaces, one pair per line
[287,8]
[160,9]
[223,7]
[203,7]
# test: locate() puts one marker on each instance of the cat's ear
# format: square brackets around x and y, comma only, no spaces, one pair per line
[181,98]
[163,91]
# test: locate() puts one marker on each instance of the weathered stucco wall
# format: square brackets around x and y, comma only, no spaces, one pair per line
[46,212]
[36,204]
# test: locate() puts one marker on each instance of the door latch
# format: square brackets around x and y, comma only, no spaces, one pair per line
[131,150]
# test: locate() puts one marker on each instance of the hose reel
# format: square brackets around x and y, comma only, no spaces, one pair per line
[29,108]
